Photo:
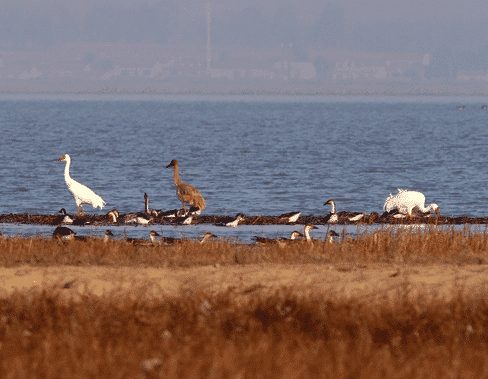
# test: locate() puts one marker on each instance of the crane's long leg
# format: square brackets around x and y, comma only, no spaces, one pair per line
[81,211]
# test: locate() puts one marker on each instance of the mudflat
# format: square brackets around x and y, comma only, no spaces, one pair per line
[363,282]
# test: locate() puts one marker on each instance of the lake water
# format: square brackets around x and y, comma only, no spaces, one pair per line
[249,154]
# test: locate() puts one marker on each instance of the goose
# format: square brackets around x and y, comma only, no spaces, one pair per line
[207,236]
[105,238]
[395,213]
[139,218]
[230,221]
[163,240]
[113,215]
[173,213]
[330,236]
[81,193]
[405,201]
[306,231]
[290,216]
[107,235]
[152,236]
[187,194]
[350,216]
[355,216]
[63,233]
[183,220]
[294,236]
[142,241]
[332,217]
[146,204]
[63,218]
[80,221]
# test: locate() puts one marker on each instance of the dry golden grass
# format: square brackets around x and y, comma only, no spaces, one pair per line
[243,332]
[404,246]
[277,336]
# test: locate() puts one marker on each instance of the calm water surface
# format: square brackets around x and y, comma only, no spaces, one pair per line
[245,154]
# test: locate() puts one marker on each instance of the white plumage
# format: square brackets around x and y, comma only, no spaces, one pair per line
[81,193]
[405,201]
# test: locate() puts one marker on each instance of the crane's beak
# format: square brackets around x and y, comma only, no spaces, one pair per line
[58,159]
[170,165]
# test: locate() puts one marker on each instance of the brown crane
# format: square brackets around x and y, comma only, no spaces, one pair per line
[187,193]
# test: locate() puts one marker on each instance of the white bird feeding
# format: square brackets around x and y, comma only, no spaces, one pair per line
[81,193]
[405,201]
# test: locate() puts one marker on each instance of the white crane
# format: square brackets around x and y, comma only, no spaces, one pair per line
[81,193]
[405,201]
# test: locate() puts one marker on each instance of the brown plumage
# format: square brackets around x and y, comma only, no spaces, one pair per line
[187,193]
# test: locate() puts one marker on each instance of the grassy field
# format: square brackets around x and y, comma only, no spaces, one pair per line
[258,334]
[408,246]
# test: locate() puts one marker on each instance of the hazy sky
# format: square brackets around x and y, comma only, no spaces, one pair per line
[443,27]
[355,10]
[307,10]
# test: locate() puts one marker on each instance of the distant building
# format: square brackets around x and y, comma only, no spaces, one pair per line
[475,76]
[221,73]
[302,70]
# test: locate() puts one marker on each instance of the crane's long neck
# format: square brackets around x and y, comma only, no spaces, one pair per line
[176,175]
[307,235]
[67,178]
[423,209]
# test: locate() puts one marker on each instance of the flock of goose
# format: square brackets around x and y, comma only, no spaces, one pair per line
[399,205]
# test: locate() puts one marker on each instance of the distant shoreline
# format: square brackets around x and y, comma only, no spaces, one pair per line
[185,87]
